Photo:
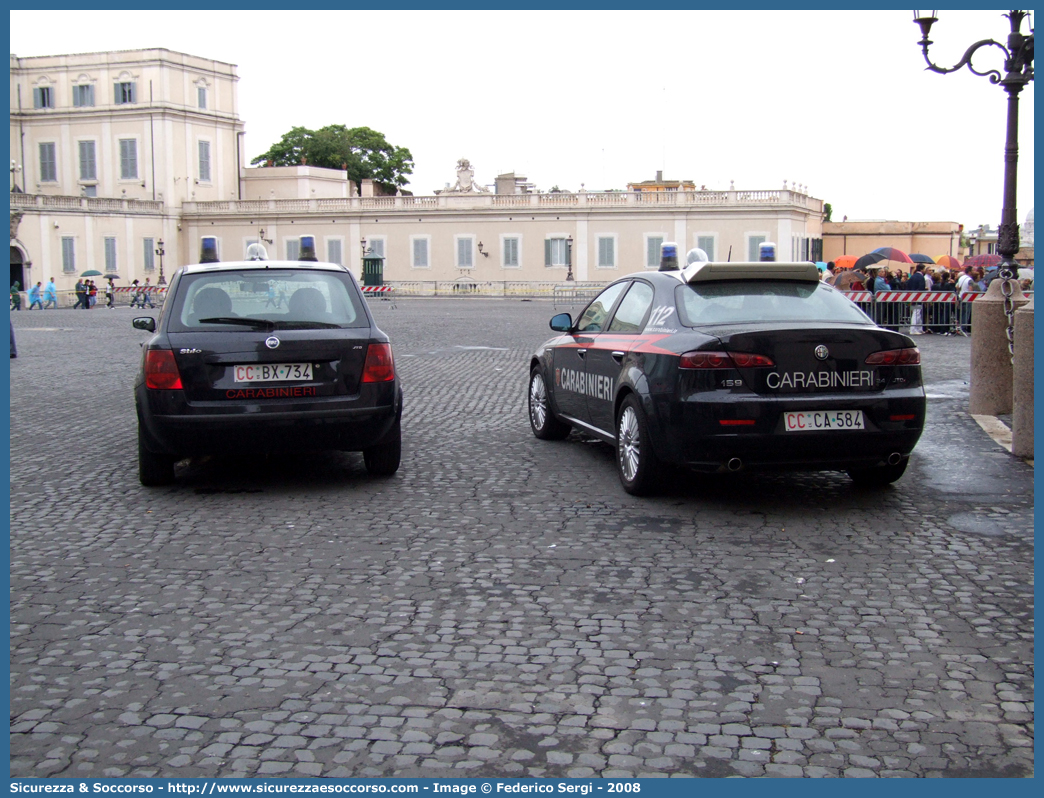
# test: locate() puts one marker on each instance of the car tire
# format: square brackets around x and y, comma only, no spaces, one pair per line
[878,476]
[382,459]
[638,466]
[154,469]
[542,419]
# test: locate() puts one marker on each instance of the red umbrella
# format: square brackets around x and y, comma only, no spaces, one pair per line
[891,253]
[845,261]
[948,262]
[983,261]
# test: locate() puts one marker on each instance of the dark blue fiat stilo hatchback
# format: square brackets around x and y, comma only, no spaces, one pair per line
[262,356]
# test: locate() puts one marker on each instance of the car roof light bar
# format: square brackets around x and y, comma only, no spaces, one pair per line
[765,270]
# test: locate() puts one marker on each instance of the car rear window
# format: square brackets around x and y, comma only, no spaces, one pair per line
[287,299]
[762,300]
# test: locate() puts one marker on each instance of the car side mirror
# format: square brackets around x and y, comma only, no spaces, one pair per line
[146,323]
[563,322]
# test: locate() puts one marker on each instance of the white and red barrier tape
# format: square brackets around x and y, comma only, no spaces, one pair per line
[376,289]
[918,296]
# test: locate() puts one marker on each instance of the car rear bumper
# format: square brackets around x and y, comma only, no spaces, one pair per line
[210,427]
[690,432]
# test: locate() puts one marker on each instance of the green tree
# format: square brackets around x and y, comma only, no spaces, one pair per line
[362,152]
[828,211]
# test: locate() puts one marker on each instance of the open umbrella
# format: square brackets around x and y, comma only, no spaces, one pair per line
[948,262]
[869,261]
[111,276]
[983,261]
[891,253]
[90,273]
[845,261]
[917,257]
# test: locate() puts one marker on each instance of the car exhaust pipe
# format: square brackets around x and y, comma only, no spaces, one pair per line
[894,458]
[735,464]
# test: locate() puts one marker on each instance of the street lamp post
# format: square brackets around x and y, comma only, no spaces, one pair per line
[15,169]
[1018,71]
[569,259]
[161,252]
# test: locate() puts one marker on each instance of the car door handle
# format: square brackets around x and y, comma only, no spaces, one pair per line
[582,353]
[618,356]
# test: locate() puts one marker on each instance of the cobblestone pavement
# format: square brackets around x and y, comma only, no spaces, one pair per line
[501,606]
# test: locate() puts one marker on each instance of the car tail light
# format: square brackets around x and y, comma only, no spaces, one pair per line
[895,357]
[161,370]
[379,364]
[722,360]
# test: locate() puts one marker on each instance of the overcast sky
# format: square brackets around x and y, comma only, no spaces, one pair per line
[837,101]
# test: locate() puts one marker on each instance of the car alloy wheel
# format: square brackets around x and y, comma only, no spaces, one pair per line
[638,466]
[541,419]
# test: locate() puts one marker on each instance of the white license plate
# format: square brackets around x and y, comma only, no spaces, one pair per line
[273,372]
[822,420]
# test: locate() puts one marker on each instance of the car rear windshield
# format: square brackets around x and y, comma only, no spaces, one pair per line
[269,299]
[764,301]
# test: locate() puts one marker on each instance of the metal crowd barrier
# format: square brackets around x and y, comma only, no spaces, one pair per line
[940,311]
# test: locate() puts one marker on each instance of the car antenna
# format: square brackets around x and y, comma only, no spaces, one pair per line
[729,260]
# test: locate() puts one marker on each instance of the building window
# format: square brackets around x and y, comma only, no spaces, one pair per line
[201,96]
[204,161]
[375,247]
[753,245]
[43,97]
[511,255]
[90,191]
[48,163]
[293,248]
[68,254]
[465,252]
[83,96]
[110,254]
[706,243]
[652,251]
[88,165]
[128,159]
[333,251]
[125,93]
[606,252]
[420,252]
[556,252]
[150,254]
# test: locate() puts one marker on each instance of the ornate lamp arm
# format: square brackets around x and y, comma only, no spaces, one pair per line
[993,74]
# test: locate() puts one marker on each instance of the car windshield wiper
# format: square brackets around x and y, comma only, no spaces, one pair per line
[260,324]
[305,325]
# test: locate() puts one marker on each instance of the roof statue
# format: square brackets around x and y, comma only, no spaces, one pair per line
[465,180]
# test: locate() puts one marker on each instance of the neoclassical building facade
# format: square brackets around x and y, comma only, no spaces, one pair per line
[114,153]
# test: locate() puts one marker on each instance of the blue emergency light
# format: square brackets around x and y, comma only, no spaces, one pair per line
[208,250]
[308,249]
[766,251]
[668,256]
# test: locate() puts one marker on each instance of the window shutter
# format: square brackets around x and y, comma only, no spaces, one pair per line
[133,93]
[36,98]
[547,251]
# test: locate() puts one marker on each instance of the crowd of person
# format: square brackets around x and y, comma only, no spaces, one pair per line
[919,278]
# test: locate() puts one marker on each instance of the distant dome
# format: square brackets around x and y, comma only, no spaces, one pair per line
[1026,233]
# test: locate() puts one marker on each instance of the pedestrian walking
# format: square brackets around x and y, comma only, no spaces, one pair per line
[81,295]
[110,295]
[92,294]
[36,296]
[16,295]
[147,294]
[136,295]
[50,295]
